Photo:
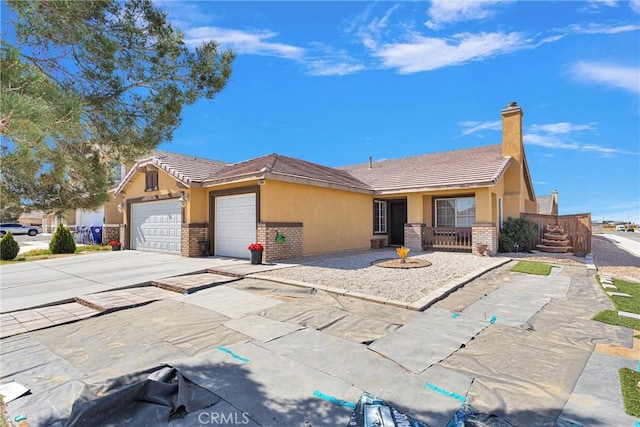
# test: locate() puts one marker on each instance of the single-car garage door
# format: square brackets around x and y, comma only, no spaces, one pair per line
[156,226]
[235,224]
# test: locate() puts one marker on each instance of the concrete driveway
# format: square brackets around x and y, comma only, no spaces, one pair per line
[38,283]
[519,346]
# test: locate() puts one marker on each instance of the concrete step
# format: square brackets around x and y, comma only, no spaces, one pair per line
[553,236]
[548,242]
[554,249]
[123,298]
[193,282]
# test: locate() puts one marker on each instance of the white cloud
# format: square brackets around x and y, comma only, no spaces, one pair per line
[444,12]
[618,76]
[635,5]
[562,128]
[322,67]
[256,43]
[474,126]
[567,136]
[594,28]
[328,61]
[593,6]
[427,53]
[554,141]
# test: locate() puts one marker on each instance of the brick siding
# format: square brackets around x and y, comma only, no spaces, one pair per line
[194,240]
[487,233]
[413,236]
[292,248]
[111,232]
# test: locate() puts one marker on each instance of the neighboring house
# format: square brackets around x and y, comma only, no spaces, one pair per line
[455,200]
[548,205]
[48,222]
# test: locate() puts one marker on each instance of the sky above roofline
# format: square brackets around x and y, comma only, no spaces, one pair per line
[337,82]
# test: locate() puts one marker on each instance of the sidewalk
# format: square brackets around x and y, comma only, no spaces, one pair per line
[629,245]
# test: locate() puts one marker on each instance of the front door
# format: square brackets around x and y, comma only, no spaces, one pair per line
[397,220]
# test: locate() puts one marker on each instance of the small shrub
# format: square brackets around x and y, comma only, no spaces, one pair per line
[402,253]
[9,248]
[518,230]
[62,241]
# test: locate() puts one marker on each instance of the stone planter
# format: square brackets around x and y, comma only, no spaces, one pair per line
[482,249]
[256,257]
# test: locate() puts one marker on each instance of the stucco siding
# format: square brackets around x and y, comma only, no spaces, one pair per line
[332,220]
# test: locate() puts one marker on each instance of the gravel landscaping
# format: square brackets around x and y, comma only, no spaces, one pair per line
[355,272]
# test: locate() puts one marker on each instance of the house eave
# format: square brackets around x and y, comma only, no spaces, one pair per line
[431,189]
[294,179]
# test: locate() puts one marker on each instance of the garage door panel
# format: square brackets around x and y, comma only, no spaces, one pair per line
[235,224]
[156,226]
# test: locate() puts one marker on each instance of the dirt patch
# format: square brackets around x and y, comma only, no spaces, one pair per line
[624,273]
[397,263]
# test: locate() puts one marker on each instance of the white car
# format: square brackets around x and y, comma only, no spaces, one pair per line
[621,228]
[16,228]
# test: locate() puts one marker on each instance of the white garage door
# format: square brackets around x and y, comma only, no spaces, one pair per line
[235,225]
[156,226]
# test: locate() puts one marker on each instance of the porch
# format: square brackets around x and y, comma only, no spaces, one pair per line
[463,239]
[448,238]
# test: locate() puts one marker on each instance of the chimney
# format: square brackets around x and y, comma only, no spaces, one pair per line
[370,162]
[554,202]
[512,132]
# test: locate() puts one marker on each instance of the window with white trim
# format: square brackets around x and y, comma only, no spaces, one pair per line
[456,212]
[379,216]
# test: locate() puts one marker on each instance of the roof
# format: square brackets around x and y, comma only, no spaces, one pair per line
[470,167]
[288,169]
[467,168]
[187,168]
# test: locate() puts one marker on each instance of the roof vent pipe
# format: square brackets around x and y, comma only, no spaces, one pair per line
[370,162]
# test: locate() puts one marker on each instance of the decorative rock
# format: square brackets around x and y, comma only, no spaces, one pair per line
[630,315]
[607,286]
[619,294]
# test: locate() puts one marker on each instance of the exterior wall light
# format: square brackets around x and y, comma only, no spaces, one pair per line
[184,198]
[120,207]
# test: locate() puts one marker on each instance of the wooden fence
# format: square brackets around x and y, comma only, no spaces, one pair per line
[577,226]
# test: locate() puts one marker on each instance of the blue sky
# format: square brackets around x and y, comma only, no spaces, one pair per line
[336,82]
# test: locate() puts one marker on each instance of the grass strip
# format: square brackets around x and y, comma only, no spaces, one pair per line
[38,254]
[530,267]
[611,317]
[632,305]
[630,393]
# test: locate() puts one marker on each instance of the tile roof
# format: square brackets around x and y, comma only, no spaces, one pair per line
[186,168]
[451,169]
[283,166]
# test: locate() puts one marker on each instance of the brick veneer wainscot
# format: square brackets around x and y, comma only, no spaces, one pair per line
[485,233]
[190,237]
[292,248]
[413,234]
[110,232]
